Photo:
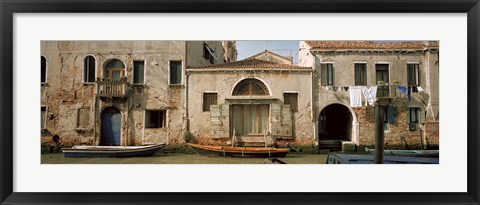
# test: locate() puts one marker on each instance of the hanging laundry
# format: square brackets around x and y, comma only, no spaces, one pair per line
[356,96]
[409,93]
[414,89]
[420,89]
[391,115]
[345,88]
[402,89]
[370,94]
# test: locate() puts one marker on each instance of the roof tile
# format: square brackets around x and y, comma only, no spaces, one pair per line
[253,64]
[346,45]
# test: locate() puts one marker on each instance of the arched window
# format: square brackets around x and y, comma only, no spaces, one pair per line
[43,66]
[114,70]
[89,69]
[249,87]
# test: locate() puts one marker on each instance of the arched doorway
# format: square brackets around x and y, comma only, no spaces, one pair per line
[111,126]
[250,118]
[335,123]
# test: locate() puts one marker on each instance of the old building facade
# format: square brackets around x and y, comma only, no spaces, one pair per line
[119,92]
[258,99]
[406,72]
[146,92]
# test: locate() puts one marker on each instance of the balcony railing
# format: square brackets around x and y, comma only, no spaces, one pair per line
[392,91]
[111,88]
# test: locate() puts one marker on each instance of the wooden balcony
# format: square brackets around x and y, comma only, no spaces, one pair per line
[112,89]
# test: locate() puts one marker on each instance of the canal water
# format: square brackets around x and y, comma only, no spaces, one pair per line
[162,158]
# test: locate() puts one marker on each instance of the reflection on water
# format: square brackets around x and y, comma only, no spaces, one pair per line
[181,159]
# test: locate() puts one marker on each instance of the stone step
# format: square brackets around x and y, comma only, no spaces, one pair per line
[332,145]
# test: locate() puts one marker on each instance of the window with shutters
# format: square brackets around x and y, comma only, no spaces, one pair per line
[155,118]
[413,74]
[43,116]
[292,100]
[83,118]
[43,67]
[175,72]
[138,72]
[209,99]
[360,74]
[249,87]
[89,69]
[208,53]
[327,74]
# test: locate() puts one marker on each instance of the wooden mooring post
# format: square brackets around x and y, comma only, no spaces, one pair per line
[380,108]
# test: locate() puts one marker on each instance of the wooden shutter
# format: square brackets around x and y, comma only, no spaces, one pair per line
[408,116]
[276,117]
[286,120]
[83,120]
[219,121]
[421,116]
[324,74]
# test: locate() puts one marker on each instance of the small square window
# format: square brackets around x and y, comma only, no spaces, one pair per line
[292,100]
[209,99]
[155,118]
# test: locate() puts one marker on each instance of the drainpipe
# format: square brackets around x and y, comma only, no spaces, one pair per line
[187,124]
[313,115]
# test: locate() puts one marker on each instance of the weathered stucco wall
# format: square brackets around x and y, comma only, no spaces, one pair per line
[195,53]
[65,92]
[398,135]
[223,82]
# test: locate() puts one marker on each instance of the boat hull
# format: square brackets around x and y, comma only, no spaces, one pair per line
[250,152]
[112,151]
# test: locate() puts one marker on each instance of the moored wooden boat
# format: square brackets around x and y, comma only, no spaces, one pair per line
[259,152]
[112,151]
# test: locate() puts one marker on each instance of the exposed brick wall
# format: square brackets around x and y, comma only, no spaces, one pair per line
[431,132]
[398,136]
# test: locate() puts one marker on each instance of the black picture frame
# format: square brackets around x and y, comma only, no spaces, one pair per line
[10,7]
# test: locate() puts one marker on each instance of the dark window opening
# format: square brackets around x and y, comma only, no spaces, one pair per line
[209,99]
[413,74]
[414,115]
[175,72]
[382,76]
[292,100]
[138,72]
[208,53]
[155,118]
[89,69]
[43,66]
[327,74]
[360,74]
[43,116]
